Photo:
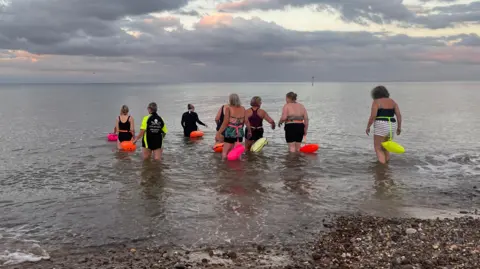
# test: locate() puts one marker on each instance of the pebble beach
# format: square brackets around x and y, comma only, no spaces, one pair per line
[354,241]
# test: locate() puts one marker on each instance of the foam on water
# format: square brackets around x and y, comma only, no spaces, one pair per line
[446,165]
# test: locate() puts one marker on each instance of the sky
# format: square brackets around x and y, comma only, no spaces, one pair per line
[178,41]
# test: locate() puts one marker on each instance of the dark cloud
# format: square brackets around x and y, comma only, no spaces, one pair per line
[45,22]
[471,40]
[127,43]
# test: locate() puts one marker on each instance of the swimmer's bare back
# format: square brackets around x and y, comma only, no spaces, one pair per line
[295,110]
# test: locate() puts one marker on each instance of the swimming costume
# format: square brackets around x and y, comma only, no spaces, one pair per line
[189,123]
[382,125]
[382,128]
[294,132]
[124,131]
[220,121]
[294,129]
[234,131]
[155,130]
[256,123]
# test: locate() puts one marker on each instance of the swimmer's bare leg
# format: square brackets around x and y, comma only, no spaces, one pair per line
[157,154]
[298,146]
[226,149]
[147,154]
[292,147]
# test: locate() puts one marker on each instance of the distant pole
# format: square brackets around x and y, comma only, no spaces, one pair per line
[313,81]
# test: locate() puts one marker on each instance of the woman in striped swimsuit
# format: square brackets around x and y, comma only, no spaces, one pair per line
[383,112]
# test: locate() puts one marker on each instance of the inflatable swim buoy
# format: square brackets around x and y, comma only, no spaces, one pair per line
[393,147]
[309,148]
[218,148]
[236,152]
[259,144]
[112,137]
[128,146]
[196,134]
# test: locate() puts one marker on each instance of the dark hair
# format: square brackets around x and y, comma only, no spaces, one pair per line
[153,107]
[292,96]
[189,106]
[256,100]
[380,92]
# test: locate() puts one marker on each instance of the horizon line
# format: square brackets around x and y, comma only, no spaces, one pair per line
[245,82]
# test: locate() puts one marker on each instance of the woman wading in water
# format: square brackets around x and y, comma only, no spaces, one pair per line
[382,116]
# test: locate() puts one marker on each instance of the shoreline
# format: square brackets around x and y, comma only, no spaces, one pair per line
[351,241]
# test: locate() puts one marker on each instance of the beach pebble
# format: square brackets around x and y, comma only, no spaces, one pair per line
[179,266]
[411,231]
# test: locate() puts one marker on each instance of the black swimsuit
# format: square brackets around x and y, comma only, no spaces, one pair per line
[220,121]
[124,132]
[189,123]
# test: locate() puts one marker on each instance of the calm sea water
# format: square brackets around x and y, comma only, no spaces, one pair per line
[63,185]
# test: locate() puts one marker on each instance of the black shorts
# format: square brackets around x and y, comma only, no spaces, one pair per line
[256,134]
[294,132]
[231,140]
[124,136]
[153,142]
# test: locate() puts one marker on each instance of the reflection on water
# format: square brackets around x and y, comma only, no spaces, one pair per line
[383,181]
[294,173]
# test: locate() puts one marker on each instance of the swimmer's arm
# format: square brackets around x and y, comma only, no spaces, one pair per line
[373,114]
[247,123]
[183,120]
[399,119]
[305,120]
[269,120]
[140,135]
[199,121]
[116,126]
[132,126]
[143,127]
[283,118]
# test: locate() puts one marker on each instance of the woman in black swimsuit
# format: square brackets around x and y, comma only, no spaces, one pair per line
[124,127]
[219,120]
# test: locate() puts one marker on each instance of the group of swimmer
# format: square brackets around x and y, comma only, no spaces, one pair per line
[235,122]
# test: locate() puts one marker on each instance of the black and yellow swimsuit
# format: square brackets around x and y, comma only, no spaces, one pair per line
[155,130]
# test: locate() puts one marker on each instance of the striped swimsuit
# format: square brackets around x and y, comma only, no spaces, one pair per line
[385,122]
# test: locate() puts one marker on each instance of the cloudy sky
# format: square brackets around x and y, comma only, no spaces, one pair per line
[238,40]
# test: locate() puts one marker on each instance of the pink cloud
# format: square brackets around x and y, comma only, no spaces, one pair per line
[451,54]
[216,20]
[240,4]
[20,56]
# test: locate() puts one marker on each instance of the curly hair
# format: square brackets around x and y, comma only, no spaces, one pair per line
[380,92]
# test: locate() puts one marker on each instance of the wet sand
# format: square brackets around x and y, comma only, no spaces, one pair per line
[351,242]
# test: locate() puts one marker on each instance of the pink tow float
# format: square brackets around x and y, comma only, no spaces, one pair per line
[112,137]
[236,152]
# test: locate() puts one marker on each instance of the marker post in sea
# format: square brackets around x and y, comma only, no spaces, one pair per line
[313,81]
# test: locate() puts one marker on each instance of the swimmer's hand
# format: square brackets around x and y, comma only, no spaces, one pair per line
[273,125]
[279,125]
[367,131]
[399,131]
[218,136]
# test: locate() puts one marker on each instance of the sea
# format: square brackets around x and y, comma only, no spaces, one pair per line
[63,185]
